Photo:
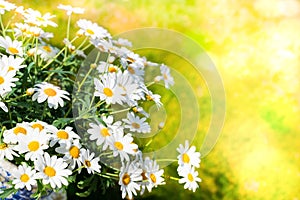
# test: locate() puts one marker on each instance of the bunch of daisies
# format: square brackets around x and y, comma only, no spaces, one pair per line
[69,118]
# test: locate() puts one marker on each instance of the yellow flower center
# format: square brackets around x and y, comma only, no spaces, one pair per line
[49,171]
[190,177]
[135,109]
[149,98]
[74,152]
[62,134]
[87,163]
[119,145]
[50,92]
[108,92]
[89,31]
[34,146]
[153,178]
[135,125]
[13,50]
[47,48]
[112,69]
[165,76]
[1,80]
[185,158]
[3,146]
[104,132]
[126,179]
[19,129]
[24,178]
[37,125]
[11,68]
[131,60]
[2,6]
[131,70]
[144,176]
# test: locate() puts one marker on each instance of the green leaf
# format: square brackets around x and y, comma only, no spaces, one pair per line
[7,192]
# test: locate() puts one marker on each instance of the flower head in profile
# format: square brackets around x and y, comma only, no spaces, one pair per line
[12,47]
[66,135]
[7,81]
[7,151]
[92,30]
[11,135]
[52,170]
[25,176]
[34,17]
[129,177]
[165,76]
[53,94]
[11,63]
[71,9]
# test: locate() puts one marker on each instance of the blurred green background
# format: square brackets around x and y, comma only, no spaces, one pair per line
[255,45]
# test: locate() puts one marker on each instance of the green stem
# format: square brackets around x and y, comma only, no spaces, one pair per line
[119,111]
[44,110]
[2,26]
[18,97]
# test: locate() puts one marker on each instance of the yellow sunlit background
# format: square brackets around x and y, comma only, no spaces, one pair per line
[255,45]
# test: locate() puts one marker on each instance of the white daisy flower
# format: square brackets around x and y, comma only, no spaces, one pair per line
[136,124]
[100,133]
[41,126]
[47,52]
[151,97]
[136,70]
[32,144]
[92,30]
[188,156]
[11,135]
[128,87]
[129,175]
[7,81]
[122,145]
[27,30]
[53,94]
[89,162]
[104,67]
[3,107]
[70,9]
[151,174]
[6,6]
[104,45]
[7,151]
[138,109]
[66,135]
[190,178]
[71,152]
[20,10]
[36,18]
[116,126]
[52,170]
[11,63]
[122,42]
[106,89]
[165,76]
[25,176]
[11,47]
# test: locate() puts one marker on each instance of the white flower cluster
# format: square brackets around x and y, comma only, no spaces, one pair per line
[35,141]
[50,154]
